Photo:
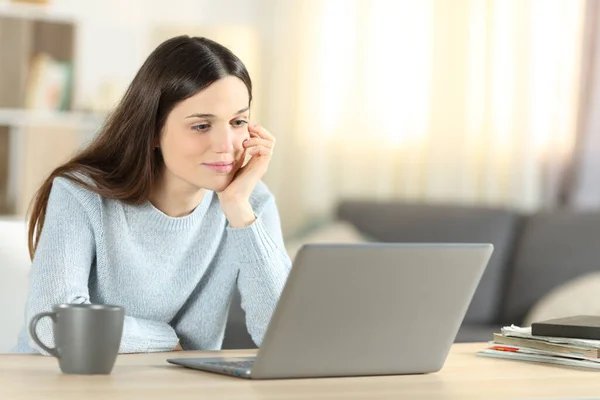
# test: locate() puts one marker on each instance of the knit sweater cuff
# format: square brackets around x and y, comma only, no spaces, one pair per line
[253,243]
[144,336]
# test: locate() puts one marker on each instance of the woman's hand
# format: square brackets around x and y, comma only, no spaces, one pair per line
[235,198]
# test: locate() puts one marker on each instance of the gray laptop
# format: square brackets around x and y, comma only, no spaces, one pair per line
[363,309]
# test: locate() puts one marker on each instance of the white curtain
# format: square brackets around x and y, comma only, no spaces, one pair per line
[463,101]
[583,187]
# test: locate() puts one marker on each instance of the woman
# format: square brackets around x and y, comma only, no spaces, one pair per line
[165,212]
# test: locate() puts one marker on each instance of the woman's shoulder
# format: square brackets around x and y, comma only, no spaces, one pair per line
[77,186]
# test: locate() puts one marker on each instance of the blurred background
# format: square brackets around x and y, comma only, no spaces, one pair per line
[428,120]
[463,101]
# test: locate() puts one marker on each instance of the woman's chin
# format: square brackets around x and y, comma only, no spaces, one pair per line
[219,184]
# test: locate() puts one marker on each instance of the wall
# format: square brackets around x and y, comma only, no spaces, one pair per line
[115,36]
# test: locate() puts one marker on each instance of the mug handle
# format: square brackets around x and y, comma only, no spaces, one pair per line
[33,325]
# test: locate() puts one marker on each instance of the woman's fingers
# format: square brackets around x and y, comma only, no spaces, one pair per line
[260,150]
[261,132]
[248,143]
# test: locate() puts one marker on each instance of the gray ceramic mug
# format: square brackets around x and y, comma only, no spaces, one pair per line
[87,336]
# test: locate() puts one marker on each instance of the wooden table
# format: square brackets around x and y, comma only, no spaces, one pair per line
[148,376]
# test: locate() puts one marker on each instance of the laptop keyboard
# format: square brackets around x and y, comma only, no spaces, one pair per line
[234,364]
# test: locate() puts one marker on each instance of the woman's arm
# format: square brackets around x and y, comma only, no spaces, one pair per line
[61,269]
[263,263]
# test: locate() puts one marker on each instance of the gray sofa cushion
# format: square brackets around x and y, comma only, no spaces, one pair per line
[476,333]
[401,222]
[554,248]
[236,331]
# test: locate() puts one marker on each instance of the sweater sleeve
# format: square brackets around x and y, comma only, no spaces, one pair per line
[264,265]
[61,269]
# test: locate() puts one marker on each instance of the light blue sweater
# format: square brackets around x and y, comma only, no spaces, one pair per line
[174,276]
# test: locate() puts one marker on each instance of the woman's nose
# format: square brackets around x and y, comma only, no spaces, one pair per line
[223,141]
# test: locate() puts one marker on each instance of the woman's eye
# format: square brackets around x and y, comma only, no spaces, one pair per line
[201,127]
[240,122]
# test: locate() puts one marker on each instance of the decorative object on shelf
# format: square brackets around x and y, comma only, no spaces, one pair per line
[48,84]
[32,1]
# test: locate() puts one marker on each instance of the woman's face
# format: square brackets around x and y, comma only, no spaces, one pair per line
[201,142]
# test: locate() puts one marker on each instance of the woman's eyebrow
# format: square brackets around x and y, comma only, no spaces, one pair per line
[201,116]
[243,110]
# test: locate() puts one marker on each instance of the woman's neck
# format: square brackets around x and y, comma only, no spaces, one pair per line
[175,197]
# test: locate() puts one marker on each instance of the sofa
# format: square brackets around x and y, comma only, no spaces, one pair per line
[534,255]
[14,268]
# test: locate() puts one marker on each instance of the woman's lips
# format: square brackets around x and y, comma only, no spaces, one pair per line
[220,167]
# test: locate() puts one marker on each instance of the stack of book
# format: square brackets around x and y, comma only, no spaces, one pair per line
[518,343]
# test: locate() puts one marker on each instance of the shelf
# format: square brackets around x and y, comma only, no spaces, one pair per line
[21,118]
[39,12]
[34,142]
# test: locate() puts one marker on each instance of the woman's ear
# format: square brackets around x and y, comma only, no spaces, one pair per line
[156,139]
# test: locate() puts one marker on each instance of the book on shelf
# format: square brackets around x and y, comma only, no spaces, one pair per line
[48,84]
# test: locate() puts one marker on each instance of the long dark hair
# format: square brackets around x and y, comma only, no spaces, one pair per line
[121,162]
